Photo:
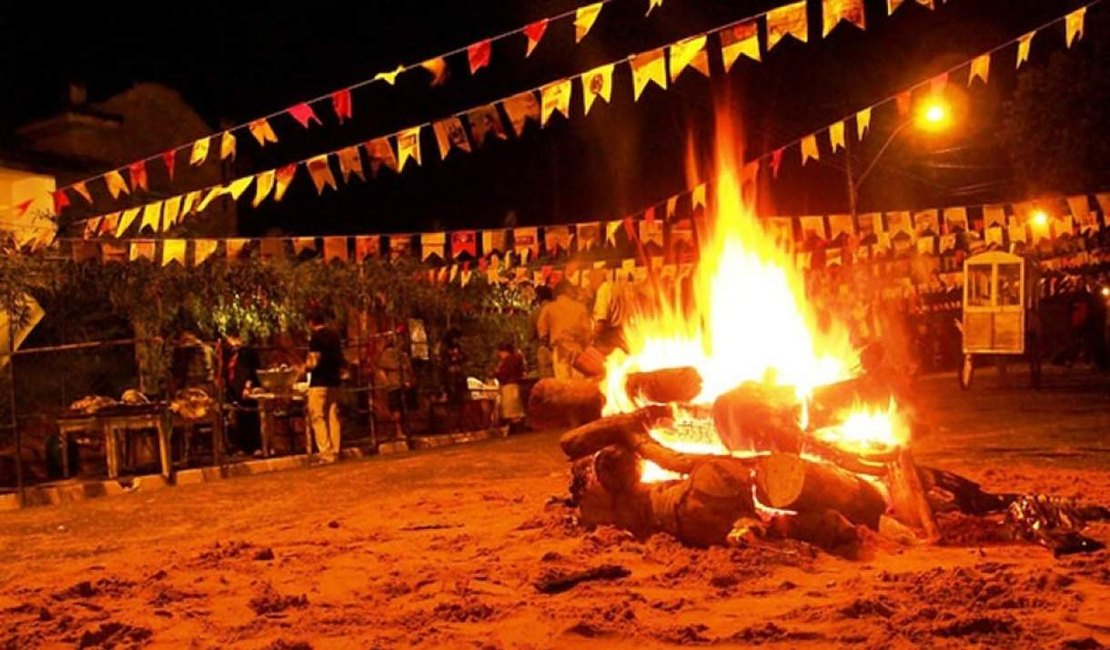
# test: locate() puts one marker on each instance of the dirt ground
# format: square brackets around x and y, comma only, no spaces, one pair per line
[441,549]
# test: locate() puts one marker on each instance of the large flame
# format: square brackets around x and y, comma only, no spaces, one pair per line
[750,320]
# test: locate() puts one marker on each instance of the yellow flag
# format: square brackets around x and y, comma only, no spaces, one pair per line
[263,187]
[116,184]
[981,68]
[648,67]
[1073,24]
[171,212]
[1024,43]
[408,146]
[390,77]
[200,151]
[142,250]
[126,219]
[689,53]
[152,216]
[834,11]
[740,39]
[238,186]
[211,195]
[584,19]
[863,122]
[262,131]
[836,136]
[809,148]
[652,4]
[190,203]
[787,20]
[203,249]
[597,83]
[555,97]
[173,250]
[697,197]
[227,146]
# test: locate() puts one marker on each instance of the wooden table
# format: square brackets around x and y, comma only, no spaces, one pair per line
[268,404]
[109,423]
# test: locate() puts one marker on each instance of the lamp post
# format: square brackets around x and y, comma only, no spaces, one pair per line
[933,116]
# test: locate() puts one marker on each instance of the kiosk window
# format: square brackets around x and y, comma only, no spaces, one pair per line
[979,285]
[1009,285]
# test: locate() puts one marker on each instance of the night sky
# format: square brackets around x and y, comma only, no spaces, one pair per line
[234,61]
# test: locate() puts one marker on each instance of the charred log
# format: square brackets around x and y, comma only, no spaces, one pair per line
[758,416]
[789,482]
[608,493]
[908,496]
[663,386]
[825,529]
[557,584]
[622,429]
[560,403]
[700,510]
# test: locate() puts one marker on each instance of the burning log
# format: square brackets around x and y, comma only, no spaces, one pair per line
[788,482]
[559,403]
[607,490]
[621,429]
[908,496]
[700,510]
[826,529]
[668,385]
[667,458]
[829,401]
[758,416]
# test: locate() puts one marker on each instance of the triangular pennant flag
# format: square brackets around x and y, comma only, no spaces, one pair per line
[863,122]
[137,171]
[408,146]
[380,152]
[1073,25]
[464,242]
[836,136]
[320,171]
[212,194]
[200,151]
[584,18]
[303,244]
[526,243]
[432,243]
[169,160]
[92,227]
[597,83]
[672,208]
[367,246]
[776,161]
[173,250]
[521,108]
[557,238]
[902,101]
[350,162]
[438,68]
[652,4]
[611,229]
[141,250]
[534,33]
[188,206]
[171,212]
[61,201]
[335,249]
[262,132]
[787,20]
[83,191]
[938,83]
[202,250]
[555,97]
[697,197]
[589,234]
[400,246]
[152,217]
[955,219]
[235,247]
[648,67]
[450,134]
[110,224]
[834,11]
[271,248]
[980,68]
[304,115]
[651,233]
[494,240]
[740,39]
[1024,44]
[465,276]
[239,186]
[485,121]
[809,148]
[454,274]
[391,76]
[227,146]
[263,187]
[283,176]
[478,55]
[689,53]
[341,104]
[126,219]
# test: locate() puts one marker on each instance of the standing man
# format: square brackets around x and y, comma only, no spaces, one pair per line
[325,363]
[564,326]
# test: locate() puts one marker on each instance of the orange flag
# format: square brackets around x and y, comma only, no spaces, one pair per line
[380,152]
[262,132]
[263,187]
[137,171]
[450,134]
[83,190]
[320,171]
[1073,24]
[282,178]
[689,53]
[227,146]
[534,33]
[834,11]
[116,184]
[438,68]
[980,68]
[350,162]
[408,146]
[740,39]
[788,20]
[521,108]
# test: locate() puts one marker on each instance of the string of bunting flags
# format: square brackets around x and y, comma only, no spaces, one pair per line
[223,145]
[395,151]
[664,235]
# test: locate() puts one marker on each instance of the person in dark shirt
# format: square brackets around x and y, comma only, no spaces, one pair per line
[325,365]
[240,376]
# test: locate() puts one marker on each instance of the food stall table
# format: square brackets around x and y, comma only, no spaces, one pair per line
[74,423]
[268,406]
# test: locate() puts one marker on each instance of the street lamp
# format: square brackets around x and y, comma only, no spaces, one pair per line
[933,116]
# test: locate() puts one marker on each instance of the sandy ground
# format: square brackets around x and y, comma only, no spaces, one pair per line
[441,549]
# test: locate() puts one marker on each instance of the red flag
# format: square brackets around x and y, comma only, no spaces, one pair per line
[61,201]
[534,32]
[137,170]
[903,102]
[304,114]
[483,264]
[464,242]
[21,208]
[649,215]
[776,162]
[630,228]
[169,158]
[341,102]
[478,55]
